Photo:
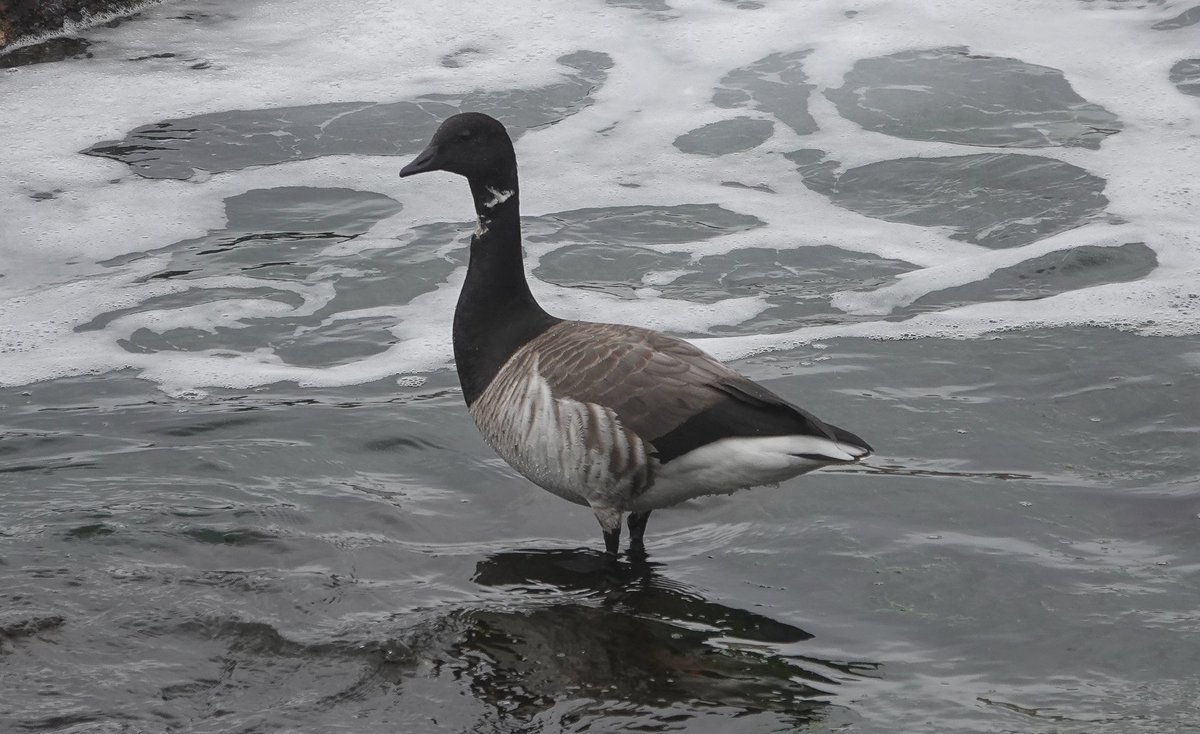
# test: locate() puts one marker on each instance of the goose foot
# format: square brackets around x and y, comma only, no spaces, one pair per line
[637,530]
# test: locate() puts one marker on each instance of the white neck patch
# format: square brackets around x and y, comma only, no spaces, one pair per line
[498,197]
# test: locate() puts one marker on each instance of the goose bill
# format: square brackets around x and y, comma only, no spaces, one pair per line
[422,163]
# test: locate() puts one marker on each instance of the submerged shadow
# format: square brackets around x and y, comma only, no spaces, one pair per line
[593,638]
[559,641]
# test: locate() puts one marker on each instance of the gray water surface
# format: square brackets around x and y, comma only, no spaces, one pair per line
[1023,543]
[1020,555]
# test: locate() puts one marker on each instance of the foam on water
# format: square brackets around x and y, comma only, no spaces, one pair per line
[83,237]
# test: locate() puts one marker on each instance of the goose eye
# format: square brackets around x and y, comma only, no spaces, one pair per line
[464,135]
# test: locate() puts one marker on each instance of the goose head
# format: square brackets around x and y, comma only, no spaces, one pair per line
[470,144]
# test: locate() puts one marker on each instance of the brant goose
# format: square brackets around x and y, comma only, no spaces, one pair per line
[618,418]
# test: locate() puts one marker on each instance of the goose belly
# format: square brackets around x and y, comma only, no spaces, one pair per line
[732,464]
[576,450]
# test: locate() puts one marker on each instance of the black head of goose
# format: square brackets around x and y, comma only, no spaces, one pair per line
[618,418]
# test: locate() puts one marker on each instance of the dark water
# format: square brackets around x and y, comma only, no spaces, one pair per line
[1019,556]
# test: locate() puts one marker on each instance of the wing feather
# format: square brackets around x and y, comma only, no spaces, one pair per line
[653,382]
[669,392]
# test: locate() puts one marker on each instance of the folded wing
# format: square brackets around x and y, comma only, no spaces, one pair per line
[672,394]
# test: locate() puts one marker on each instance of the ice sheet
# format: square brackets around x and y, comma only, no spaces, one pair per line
[84,236]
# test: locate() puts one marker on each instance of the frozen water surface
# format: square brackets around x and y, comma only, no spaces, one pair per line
[1186,76]
[995,200]
[235,139]
[952,95]
[726,136]
[241,492]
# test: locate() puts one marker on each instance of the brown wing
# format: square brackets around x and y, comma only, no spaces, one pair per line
[673,395]
[653,382]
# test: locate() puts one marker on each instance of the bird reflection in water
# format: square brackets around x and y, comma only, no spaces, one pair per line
[590,638]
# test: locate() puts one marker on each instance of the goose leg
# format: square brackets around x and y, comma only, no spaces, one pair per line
[637,529]
[610,523]
[612,541]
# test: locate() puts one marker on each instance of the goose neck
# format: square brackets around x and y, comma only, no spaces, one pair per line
[496,311]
